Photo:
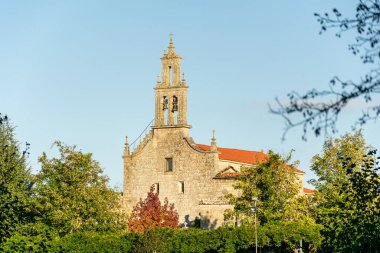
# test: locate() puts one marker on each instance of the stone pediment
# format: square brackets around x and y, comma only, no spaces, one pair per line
[228,173]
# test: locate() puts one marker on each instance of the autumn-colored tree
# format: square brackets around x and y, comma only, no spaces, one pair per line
[149,213]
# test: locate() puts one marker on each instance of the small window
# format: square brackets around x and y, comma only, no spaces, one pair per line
[181,187]
[169,164]
[156,188]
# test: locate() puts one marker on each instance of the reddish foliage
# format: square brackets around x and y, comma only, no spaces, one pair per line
[149,214]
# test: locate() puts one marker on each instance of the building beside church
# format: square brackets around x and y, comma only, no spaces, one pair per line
[194,177]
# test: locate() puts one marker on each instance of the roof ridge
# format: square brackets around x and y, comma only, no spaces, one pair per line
[234,148]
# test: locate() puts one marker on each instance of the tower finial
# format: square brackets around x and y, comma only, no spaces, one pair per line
[126,147]
[171,45]
[213,146]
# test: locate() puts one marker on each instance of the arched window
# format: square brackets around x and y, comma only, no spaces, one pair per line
[170,76]
[169,164]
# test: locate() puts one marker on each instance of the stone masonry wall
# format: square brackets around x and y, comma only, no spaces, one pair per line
[194,167]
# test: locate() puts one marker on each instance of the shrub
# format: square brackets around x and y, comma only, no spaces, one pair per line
[271,238]
[90,242]
[31,238]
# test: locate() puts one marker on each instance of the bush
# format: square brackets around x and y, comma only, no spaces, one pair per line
[90,242]
[31,238]
[226,239]
[273,238]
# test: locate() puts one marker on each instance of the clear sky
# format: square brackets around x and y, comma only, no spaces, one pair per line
[83,72]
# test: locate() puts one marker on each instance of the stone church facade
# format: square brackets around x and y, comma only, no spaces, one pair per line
[194,177]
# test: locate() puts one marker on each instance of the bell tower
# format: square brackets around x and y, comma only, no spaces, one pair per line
[171,92]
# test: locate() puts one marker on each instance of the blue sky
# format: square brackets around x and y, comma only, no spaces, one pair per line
[83,72]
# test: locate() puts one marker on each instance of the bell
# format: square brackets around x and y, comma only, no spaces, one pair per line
[175,104]
[165,105]
[175,107]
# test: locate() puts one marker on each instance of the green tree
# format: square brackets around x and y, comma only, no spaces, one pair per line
[275,184]
[149,214]
[15,181]
[73,194]
[348,194]
[283,213]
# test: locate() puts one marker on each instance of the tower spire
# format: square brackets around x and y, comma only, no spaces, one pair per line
[171,92]
[171,46]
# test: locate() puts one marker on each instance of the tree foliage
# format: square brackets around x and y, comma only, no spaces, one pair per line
[31,238]
[348,194]
[149,213]
[15,181]
[283,213]
[319,110]
[73,194]
[275,184]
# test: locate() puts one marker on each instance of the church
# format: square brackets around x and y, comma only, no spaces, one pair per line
[193,176]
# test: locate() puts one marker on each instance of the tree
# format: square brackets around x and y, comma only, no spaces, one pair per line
[275,184]
[73,194]
[282,211]
[149,213]
[348,194]
[320,109]
[15,181]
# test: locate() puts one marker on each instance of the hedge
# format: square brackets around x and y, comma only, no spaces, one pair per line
[225,239]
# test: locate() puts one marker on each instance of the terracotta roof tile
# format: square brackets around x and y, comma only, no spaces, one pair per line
[239,155]
[308,191]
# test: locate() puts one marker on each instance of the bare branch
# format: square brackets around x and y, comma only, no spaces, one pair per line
[319,110]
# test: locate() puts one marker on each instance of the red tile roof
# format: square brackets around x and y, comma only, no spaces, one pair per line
[308,191]
[239,155]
